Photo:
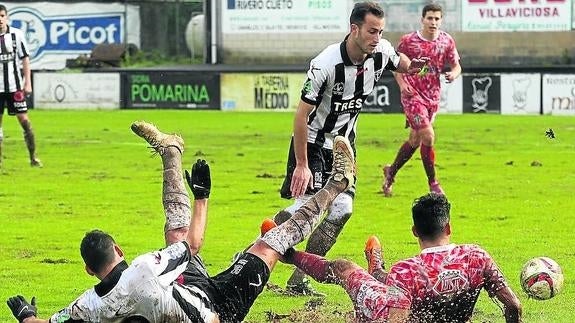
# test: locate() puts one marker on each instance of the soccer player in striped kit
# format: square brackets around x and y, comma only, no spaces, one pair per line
[338,81]
[14,85]
[164,285]
[420,93]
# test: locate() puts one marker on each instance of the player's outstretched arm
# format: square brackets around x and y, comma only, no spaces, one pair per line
[411,66]
[511,305]
[200,183]
[24,311]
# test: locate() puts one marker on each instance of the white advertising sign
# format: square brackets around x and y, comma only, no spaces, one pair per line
[559,94]
[59,31]
[516,15]
[284,16]
[451,100]
[76,90]
[520,93]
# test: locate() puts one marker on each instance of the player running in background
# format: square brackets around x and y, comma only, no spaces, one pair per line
[441,284]
[160,286]
[338,81]
[420,93]
[15,86]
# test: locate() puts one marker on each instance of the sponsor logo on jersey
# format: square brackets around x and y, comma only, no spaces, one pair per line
[307,87]
[348,106]
[66,33]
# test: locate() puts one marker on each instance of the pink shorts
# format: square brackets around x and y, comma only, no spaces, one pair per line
[418,112]
[368,297]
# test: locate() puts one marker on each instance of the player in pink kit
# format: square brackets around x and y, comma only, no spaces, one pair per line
[420,93]
[441,284]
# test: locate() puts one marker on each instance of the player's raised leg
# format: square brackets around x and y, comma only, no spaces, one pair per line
[281,238]
[175,198]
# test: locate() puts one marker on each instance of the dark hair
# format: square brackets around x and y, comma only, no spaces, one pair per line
[431,7]
[135,319]
[3,7]
[97,250]
[361,9]
[430,215]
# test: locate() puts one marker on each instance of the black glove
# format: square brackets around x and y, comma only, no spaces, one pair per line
[20,307]
[200,182]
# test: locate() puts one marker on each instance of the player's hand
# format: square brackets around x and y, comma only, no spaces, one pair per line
[21,309]
[417,64]
[300,181]
[449,77]
[200,181]
[406,90]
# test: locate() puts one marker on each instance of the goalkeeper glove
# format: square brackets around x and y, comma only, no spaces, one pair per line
[200,181]
[21,309]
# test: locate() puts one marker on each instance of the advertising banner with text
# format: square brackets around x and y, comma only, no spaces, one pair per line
[59,31]
[559,94]
[76,90]
[385,97]
[516,15]
[172,90]
[261,91]
[284,16]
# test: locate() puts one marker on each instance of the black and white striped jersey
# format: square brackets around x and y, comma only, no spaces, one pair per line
[337,88]
[13,49]
[146,288]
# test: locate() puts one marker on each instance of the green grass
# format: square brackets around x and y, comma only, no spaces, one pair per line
[97,174]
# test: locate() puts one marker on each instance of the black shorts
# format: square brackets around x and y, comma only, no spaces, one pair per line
[233,291]
[16,102]
[319,161]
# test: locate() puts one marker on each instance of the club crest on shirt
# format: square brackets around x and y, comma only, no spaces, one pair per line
[450,282]
[338,88]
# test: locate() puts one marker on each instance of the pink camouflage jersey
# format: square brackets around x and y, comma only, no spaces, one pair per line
[442,284]
[440,51]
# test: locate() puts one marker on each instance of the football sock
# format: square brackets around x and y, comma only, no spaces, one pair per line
[315,266]
[428,159]
[29,139]
[175,198]
[403,155]
[301,224]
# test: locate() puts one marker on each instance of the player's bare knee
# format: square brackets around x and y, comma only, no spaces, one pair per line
[176,235]
[341,268]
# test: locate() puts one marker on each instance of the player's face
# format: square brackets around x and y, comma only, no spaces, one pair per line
[431,22]
[367,35]
[3,20]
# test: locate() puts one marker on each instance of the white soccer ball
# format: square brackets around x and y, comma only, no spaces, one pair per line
[541,278]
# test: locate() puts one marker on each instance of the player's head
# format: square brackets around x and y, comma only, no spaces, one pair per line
[431,216]
[366,25]
[99,250]
[3,15]
[431,18]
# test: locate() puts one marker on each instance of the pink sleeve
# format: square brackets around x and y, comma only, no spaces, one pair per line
[453,55]
[398,292]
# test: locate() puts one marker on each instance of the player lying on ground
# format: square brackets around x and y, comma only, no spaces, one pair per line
[441,284]
[153,288]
